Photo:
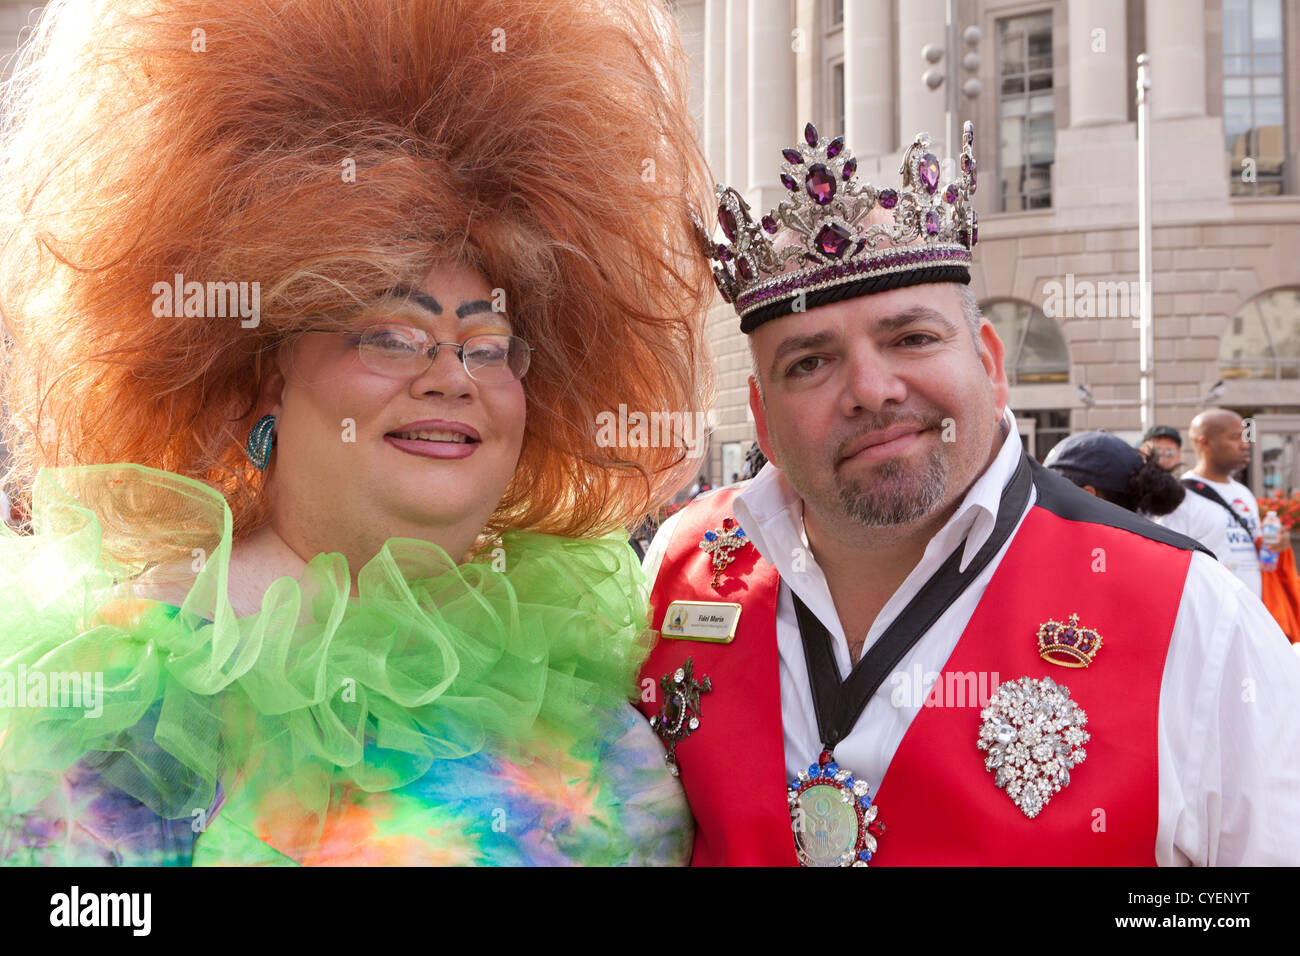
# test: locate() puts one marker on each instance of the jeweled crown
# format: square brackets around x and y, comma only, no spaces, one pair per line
[824,243]
[1077,644]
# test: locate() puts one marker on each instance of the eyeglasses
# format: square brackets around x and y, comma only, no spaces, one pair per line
[1165,453]
[402,351]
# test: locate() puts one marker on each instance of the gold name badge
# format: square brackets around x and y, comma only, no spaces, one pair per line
[701,621]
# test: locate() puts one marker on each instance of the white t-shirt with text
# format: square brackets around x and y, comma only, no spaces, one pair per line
[1228,540]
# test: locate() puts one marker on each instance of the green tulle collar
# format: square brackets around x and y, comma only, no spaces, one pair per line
[430,660]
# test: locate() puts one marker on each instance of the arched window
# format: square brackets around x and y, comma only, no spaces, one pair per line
[1036,349]
[1263,339]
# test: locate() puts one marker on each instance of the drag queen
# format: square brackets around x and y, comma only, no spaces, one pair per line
[310,308]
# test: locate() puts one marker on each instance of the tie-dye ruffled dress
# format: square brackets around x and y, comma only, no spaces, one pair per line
[471,714]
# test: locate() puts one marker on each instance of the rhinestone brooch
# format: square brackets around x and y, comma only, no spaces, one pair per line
[1034,736]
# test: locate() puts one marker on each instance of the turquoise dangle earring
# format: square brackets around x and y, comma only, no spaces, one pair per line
[260,440]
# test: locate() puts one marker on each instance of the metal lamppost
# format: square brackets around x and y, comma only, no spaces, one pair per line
[1146,342]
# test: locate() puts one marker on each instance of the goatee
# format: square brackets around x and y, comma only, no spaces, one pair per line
[895,494]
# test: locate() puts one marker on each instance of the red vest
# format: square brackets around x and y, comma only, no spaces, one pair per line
[938,802]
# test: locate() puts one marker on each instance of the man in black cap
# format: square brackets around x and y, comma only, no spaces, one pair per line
[1164,444]
[904,614]
[1110,468]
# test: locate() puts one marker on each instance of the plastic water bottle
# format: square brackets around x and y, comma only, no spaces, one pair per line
[1271,531]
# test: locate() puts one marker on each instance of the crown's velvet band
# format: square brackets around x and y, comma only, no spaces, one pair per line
[947,272]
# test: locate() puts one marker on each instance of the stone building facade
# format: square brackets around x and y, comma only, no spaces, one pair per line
[1055,118]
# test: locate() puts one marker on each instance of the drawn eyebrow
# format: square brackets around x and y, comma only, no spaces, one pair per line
[416,296]
[473,308]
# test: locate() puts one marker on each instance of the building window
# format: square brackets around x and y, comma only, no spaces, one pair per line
[1264,339]
[1036,351]
[1026,111]
[837,98]
[834,13]
[1254,105]
[1051,426]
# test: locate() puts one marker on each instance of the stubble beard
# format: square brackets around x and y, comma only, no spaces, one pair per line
[895,494]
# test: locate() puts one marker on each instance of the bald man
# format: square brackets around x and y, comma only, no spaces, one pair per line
[1218,438]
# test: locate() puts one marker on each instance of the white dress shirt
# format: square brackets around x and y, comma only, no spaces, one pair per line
[1228,738]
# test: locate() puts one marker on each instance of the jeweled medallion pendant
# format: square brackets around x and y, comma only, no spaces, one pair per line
[832,815]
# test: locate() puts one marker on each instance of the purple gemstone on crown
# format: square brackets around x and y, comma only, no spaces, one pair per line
[1068,637]
[727,220]
[723,252]
[849,169]
[889,198]
[972,182]
[769,225]
[810,134]
[743,267]
[950,194]
[792,156]
[833,239]
[932,222]
[929,172]
[788,182]
[820,184]
[835,147]
[967,163]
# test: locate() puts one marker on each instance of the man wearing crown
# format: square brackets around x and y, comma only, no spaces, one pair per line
[906,643]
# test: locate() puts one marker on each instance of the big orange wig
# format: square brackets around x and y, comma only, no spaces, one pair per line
[331,150]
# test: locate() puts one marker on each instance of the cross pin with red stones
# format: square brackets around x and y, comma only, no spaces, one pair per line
[721,543]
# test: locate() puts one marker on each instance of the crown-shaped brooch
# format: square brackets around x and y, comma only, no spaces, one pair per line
[819,238]
[1069,644]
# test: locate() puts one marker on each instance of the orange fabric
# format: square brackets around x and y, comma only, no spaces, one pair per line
[1281,595]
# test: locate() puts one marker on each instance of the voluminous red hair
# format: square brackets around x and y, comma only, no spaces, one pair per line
[545,142]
